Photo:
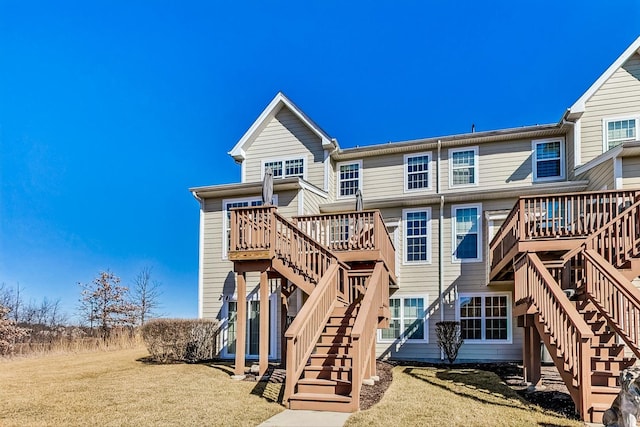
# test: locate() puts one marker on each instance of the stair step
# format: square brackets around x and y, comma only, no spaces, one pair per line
[323,386]
[327,373]
[611,363]
[338,329]
[331,360]
[328,338]
[341,320]
[607,351]
[605,378]
[321,402]
[333,348]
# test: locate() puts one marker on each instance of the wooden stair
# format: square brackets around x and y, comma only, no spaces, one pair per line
[326,383]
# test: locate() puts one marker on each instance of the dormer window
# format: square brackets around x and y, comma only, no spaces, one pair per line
[285,168]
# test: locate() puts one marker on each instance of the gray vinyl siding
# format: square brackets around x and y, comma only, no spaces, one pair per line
[286,137]
[600,177]
[619,96]
[570,154]
[217,273]
[631,172]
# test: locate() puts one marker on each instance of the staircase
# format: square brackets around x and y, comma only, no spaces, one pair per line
[594,254]
[330,345]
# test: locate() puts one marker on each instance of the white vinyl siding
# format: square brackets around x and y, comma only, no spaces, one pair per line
[417,236]
[463,167]
[467,232]
[417,174]
[617,131]
[349,178]
[408,320]
[548,159]
[485,317]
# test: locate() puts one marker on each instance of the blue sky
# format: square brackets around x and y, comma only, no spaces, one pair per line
[111,110]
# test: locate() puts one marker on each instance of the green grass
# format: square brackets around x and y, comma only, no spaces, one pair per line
[115,388]
[456,397]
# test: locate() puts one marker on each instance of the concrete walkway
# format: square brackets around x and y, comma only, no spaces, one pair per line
[289,418]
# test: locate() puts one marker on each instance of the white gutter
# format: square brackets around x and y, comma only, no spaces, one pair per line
[440,236]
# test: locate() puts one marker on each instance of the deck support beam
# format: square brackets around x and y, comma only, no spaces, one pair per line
[241,323]
[264,323]
[532,363]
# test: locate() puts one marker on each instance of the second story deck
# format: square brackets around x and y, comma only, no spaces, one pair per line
[553,224]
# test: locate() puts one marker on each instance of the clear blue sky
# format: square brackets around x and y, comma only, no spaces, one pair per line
[111,110]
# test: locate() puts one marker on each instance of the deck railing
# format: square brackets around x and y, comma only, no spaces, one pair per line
[564,324]
[349,231]
[364,329]
[261,228]
[568,215]
[309,323]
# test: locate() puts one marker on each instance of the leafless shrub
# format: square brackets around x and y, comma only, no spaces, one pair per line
[10,333]
[449,339]
[187,340]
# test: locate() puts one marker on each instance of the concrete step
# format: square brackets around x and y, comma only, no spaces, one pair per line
[322,386]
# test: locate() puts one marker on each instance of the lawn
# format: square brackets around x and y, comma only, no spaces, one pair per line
[115,388]
[456,397]
[119,388]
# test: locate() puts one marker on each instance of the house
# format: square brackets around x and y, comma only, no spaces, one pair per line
[522,235]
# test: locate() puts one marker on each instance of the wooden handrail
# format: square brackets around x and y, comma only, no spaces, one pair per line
[615,296]
[564,324]
[363,334]
[357,230]
[304,331]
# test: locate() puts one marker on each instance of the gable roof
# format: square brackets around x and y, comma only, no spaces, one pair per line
[576,110]
[280,101]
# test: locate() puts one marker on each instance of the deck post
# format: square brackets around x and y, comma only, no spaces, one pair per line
[531,353]
[241,324]
[264,322]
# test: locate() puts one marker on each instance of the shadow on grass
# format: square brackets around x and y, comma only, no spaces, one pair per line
[480,386]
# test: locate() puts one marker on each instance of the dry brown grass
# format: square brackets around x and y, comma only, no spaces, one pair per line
[456,397]
[114,388]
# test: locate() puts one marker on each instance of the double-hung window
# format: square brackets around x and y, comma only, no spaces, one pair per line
[463,166]
[619,131]
[408,319]
[467,232]
[485,317]
[548,159]
[349,178]
[416,172]
[229,204]
[285,168]
[417,235]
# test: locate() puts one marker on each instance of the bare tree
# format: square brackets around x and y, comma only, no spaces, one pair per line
[105,302]
[10,333]
[145,296]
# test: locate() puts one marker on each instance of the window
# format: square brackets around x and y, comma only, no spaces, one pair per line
[349,178]
[285,168]
[467,236]
[463,164]
[227,205]
[417,230]
[416,172]
[408,319]
[485,317]
[548,159]
[619,131]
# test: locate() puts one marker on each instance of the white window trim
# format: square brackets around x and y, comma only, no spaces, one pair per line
[406,172]
[404,236]
[225,225]
[454,208]
[283,160]
[534,160]
[338,180]
[509,339]
[476,167]
[605,133]
[402,339]
[251,296]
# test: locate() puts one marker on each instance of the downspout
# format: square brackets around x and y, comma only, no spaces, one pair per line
[440,237]
[200,257]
